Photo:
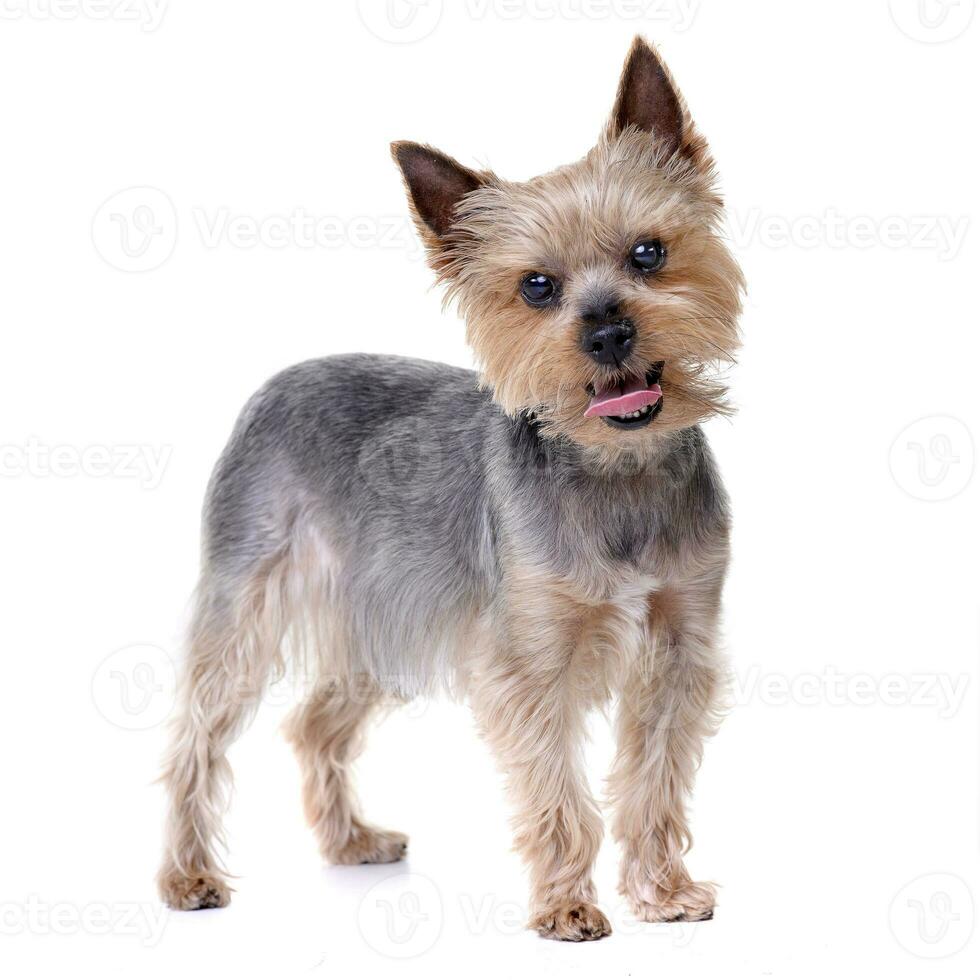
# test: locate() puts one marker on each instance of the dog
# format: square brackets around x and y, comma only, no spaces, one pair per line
[542,537]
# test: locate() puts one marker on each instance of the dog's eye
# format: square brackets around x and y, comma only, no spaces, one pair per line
[538,289]
[648,256]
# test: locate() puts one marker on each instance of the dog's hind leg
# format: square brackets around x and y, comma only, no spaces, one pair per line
[326,732]
[235,639]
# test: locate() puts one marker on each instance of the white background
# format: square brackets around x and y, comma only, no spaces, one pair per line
[838,806]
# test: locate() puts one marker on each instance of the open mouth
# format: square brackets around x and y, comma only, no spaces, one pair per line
[629,403]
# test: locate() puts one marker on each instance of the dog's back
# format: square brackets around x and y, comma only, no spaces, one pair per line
[360,479]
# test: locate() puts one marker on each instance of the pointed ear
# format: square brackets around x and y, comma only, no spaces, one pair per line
[436,184]
[647,98]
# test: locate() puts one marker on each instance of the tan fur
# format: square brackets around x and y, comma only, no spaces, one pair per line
[530,697]
[232,651]
[551,646]
[235,649]
[576,224]
[567,648]
[326,733]
[668,705]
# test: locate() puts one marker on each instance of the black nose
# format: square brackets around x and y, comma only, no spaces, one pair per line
[609,343]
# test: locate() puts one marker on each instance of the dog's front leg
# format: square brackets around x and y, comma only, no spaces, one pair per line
[668,705]
[526,701]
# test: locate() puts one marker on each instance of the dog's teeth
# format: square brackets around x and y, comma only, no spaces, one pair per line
[633,416]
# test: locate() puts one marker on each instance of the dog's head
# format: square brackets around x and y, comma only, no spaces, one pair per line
[600,296]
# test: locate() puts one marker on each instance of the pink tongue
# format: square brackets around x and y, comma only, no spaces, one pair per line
[623,399]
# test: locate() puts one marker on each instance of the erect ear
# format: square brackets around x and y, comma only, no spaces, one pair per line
[647,98]
[436,184]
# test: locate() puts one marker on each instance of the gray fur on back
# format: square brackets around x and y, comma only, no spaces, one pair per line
[418,491]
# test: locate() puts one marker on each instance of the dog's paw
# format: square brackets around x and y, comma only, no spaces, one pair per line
[191,892]
[575,922]
[369,845]
[692,901]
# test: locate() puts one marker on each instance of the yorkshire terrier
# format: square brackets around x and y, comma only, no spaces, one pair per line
[542,537]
